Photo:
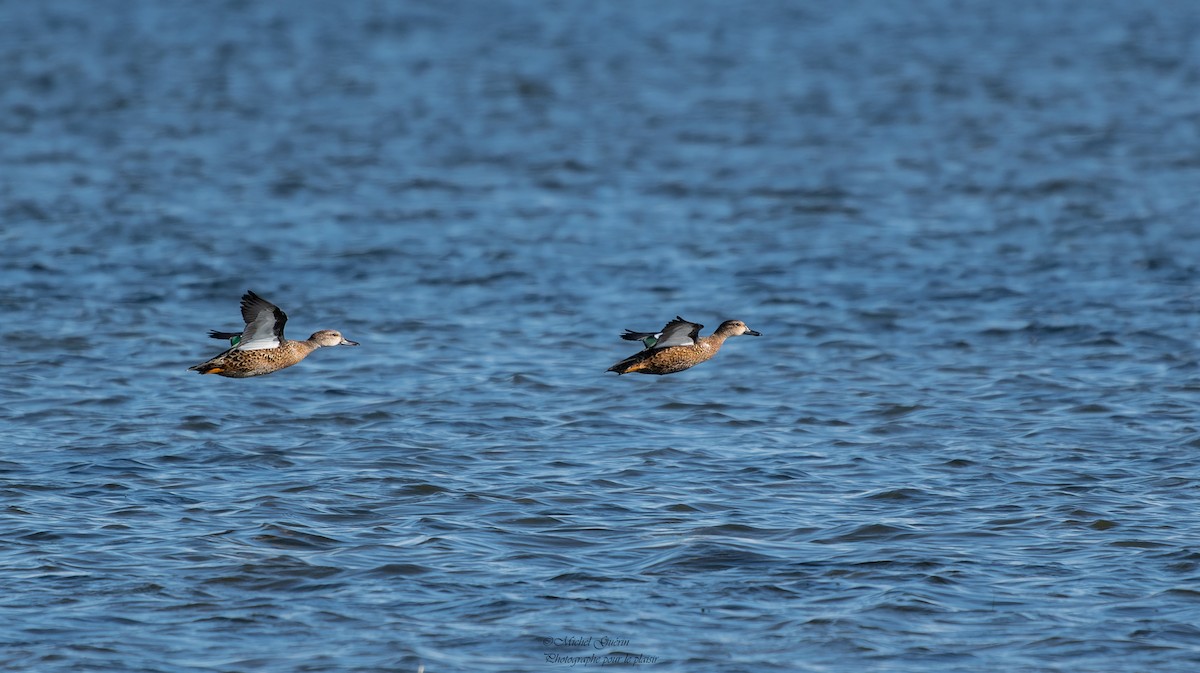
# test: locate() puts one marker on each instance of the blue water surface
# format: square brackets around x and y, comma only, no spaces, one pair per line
[966,441]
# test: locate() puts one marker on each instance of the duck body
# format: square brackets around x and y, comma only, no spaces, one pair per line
[241,364]
[261,348]
[677,347]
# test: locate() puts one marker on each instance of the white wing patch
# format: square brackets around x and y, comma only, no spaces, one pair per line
[259,344]
[679,340]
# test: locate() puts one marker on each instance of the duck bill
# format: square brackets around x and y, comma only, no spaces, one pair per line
[347,342]
[752,332]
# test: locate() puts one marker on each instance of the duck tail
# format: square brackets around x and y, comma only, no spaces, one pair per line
[629,364]
[206,368]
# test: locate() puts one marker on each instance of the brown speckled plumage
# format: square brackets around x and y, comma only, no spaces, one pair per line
[242,364]
[269,351]
[668,359]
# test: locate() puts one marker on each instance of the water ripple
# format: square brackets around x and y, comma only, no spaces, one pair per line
[966,440]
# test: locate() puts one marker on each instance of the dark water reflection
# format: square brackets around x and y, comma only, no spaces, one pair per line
[966,440]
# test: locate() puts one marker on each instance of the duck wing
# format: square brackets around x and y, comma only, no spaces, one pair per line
[648,339]
[678,332]
[264,324]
